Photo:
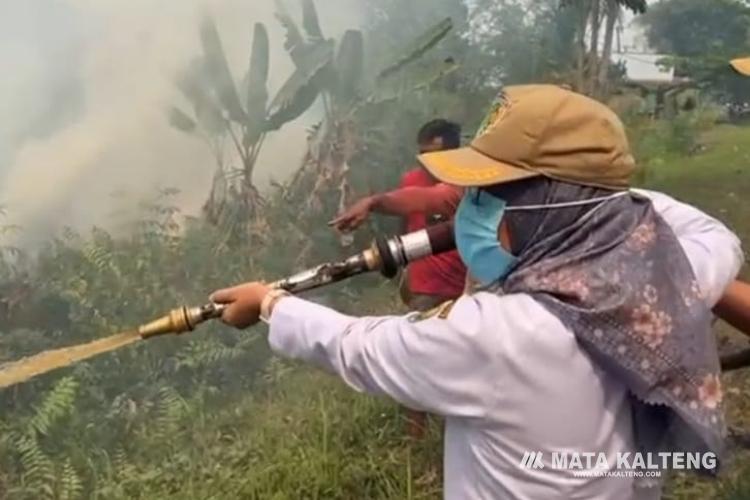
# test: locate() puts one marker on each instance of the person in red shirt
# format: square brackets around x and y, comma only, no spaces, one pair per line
[420,200]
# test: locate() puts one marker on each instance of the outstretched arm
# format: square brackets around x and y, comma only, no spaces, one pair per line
[734,306]
[439,199]
[436,365]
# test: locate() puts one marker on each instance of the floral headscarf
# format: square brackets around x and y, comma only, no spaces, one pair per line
[614,273]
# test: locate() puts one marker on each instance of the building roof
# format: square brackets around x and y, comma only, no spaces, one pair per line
[643,68]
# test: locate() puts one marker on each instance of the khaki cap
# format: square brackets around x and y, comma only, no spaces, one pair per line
[534,130]
[742,65]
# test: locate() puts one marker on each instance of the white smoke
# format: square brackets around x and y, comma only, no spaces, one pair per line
[123,54]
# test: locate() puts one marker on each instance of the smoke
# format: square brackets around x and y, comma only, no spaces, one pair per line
[82,98]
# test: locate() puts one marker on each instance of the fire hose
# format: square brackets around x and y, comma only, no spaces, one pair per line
[385,255]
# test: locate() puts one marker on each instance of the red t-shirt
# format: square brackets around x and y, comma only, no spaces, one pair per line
[442,275]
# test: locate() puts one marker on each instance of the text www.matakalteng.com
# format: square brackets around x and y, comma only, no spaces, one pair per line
[617,473]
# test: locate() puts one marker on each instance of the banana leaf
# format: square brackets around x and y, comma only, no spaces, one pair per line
[210,117]
[303,76]
[349,63]
[419,47]
[310,21]
[302,100]
[180,120]
[421,78]
[190,81]
[257,93]
[195,85]
[433,73]
[293,43]
[218,70]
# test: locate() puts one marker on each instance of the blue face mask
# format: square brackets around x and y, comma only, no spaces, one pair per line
[477,220]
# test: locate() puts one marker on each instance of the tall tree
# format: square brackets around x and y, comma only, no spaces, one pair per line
[701,37]
[521,41]
[592,64]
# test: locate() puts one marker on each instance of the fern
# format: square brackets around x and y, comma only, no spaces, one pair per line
[275,371]
[39,478]
[207,353]
[70,485]
[100,257]
[170,407]
[122,466]
[57,404]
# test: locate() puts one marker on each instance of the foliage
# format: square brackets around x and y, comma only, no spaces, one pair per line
[222,114]
[657,143]
[41,477]
[527,42]
[110,283]
[703,37]
[691,28]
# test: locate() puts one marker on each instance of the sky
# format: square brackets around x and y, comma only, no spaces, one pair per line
[83,91]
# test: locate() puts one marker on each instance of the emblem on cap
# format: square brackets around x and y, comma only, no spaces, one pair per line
[499,106]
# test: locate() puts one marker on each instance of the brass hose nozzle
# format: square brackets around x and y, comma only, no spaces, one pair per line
[180,320]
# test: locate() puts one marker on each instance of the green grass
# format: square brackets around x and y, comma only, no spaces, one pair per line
[716,179]
[304,437]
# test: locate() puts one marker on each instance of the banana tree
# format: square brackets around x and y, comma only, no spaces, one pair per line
[335,73]
[234,120]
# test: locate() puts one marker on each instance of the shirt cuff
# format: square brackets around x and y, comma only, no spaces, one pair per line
[268,303]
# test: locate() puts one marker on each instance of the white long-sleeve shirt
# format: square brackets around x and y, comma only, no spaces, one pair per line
[506,374]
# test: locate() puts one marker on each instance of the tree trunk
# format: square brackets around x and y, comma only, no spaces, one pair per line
[613,12]
[217,198]
[593,58]
[585,7]
[321,186]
